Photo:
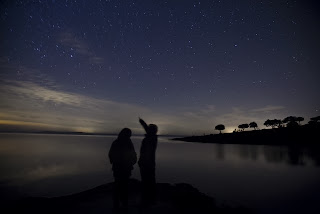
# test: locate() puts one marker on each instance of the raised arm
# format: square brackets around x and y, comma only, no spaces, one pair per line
[144,125]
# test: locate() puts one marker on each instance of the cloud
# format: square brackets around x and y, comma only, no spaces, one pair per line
[268,108]
[96,60]
[204,120]
[32,103]
[32,90]
[69,40]
[34,106]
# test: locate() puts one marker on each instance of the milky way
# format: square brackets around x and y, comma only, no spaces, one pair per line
[185,65]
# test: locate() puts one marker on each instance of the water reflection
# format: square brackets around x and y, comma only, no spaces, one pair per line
[248,152]
[219,151]
[54,165]
[25,158]
[48,165]
[314,154]
[291,155]
[275,154]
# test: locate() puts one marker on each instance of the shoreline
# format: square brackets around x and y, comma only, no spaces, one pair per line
[305,135]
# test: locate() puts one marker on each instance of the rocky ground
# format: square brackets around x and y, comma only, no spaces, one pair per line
[171,198]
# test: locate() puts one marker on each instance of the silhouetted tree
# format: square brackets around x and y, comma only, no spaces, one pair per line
[219,127]
[267,123]
[312,122]
[300,119]
[292,120]
[273,123]
[289,119]
[243,126]
[292,124]
[253,125]
[315,119]
[278,123]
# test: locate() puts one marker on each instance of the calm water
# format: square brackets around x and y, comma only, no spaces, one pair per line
[267,179]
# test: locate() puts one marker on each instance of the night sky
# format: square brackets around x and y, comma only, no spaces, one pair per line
[187,66]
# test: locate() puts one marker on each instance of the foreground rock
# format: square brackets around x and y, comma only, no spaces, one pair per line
[178,198]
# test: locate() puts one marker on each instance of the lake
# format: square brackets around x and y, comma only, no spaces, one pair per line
[267,179]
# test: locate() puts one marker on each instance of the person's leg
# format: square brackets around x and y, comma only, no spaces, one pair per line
[148,184]
[151,186]
[144,186]
[124,191]
[116,193]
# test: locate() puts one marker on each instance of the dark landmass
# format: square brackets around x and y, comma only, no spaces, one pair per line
[171,199]
[306,135]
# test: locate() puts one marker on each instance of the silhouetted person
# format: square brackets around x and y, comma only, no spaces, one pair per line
[122,157]
[147,163]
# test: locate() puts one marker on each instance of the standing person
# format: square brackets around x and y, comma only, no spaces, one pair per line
[147,163]
[122,157]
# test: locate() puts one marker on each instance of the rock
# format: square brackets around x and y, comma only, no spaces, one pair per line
[171,199]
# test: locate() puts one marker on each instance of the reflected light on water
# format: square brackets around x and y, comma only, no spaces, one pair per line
[54,165]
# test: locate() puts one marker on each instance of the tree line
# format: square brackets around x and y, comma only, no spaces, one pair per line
[290,121]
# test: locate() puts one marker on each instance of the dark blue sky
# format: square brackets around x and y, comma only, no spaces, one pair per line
[184,65]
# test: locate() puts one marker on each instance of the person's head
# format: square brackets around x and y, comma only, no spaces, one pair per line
[125,133]
[152,129]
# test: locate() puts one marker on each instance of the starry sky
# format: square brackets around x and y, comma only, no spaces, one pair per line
[187,66]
